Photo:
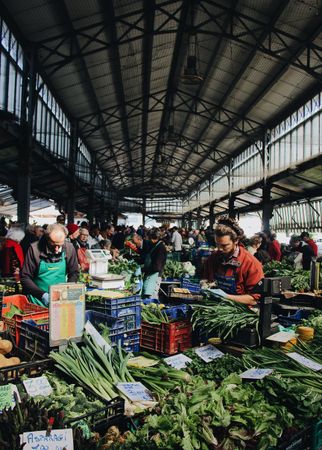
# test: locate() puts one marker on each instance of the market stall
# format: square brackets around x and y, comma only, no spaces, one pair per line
[197,372]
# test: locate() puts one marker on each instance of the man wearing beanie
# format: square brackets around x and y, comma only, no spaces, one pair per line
[49,261]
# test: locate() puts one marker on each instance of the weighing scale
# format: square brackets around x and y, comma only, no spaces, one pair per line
[98,270]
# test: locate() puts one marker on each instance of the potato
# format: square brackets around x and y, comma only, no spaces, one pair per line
[5,346]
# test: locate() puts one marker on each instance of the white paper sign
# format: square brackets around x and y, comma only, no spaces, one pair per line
[209,353]
[38,386]
[282,336]
[100,341]
[178,361]
[256,374]
[56,440]
[305,361]
[136,392]
[7,396]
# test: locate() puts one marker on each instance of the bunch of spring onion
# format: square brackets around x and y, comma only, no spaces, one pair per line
[159,379]
[284,366]
[223,317]
[91,367]
[153,314]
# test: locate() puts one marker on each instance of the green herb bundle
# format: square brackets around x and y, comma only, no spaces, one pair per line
[223,317]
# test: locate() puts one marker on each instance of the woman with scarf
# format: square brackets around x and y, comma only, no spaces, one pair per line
[12,257]
[238,274]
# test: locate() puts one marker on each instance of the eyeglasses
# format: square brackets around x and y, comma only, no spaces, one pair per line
[82,234]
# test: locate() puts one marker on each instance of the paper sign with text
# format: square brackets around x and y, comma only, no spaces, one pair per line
[56,440]
[305,361]
[256,374]
[209,353]
[178,361]
[7,397]
[282,336]
[38,386]
[136,392]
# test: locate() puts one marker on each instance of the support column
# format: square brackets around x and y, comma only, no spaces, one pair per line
[71,168]
[267,207]
[190,220]
[28,102]
[199,218]
[144,211]
[212,215]
[231,206]
[91,196]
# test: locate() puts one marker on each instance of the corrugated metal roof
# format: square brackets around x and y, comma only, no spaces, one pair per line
[252,55]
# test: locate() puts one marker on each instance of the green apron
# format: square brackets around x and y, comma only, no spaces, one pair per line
[49,273]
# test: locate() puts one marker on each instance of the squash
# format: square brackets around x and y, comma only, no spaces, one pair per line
[6,362]
[5,346]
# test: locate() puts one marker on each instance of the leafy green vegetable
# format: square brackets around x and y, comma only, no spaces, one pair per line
[301,281]
[222,317]
[175,269]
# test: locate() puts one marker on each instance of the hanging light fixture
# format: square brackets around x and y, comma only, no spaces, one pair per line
[191,74]
[172,137]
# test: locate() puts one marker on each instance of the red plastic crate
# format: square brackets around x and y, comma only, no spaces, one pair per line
[166,338]
[30,311]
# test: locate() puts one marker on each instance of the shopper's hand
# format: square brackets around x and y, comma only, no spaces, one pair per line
[45,299]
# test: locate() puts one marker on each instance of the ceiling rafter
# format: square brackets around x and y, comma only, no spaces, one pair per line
[176,63]
[114,54]
[279,10]
[93,98]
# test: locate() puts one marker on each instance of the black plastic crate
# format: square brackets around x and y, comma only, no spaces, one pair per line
[301,440]
[247,337]
[13,374]
[34,338]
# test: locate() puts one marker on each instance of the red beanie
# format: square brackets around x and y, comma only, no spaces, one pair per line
[72,227]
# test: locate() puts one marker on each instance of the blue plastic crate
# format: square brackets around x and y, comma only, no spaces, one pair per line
[148,301]
[177,312]
[115,325]
[193,286]
[293,319]
[130,342]
[131,316]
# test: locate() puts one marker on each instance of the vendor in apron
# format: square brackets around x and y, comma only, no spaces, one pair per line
[238,274]
[153,265]
[50,261]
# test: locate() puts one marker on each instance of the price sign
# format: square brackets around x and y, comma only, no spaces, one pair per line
[97,337]
[56,440]
[136,392]
[256,374]
[66,313]
[38,386]
[178,361]
[209,353]
[307,362]
[7,396]
[281,336]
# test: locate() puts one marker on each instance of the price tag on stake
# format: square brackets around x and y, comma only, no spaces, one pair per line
[178,361]
[307,362]
[136,392]
[209,353]
[256,374]
[38,386]
[56,440]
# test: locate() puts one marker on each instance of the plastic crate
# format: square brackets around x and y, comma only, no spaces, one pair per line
[34,338]
[317,436]
[193,284]
[166,338]
[13,374]
[128,308]
[300,440]
[130,342]
[293,319]
[30,311]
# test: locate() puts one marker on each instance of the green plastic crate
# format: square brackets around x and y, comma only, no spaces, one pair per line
[317,436]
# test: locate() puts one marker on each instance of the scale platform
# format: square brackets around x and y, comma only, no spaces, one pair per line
[108,281]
